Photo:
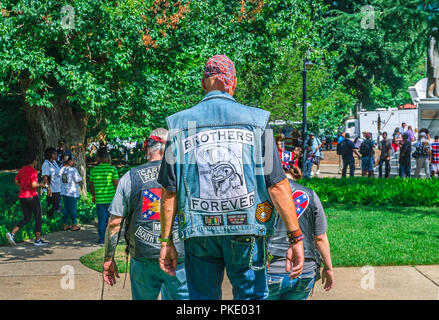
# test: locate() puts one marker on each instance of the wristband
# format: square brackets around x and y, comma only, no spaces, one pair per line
[164,239]
[295,236]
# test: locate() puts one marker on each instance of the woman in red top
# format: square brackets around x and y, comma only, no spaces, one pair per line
[27,180]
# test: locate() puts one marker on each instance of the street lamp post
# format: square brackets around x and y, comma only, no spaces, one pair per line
[307,65]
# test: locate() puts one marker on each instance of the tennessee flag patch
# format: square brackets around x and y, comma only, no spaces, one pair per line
[264,211]
[151,204]
[301,202]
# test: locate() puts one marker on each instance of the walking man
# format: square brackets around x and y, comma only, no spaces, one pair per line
[405,157]
[367,156]
[386,148]
[50,173]
[340,138]
[103,183]
[435,157]
[348,148]
[423,155]
[137,200]
[316,146]
[223,193]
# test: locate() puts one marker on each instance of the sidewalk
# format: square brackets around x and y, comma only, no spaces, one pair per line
[29,272]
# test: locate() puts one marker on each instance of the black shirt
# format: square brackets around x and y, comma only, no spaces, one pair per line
[348,149]
[167,176]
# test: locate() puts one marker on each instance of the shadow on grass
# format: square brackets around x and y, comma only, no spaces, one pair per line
[389,209]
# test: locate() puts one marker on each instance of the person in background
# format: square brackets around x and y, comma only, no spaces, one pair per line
[316,146]
[422,155]
[435,157]
[61,151]
[367,155]
[427,133]
[310,159]
[70,179]
[50,173]
[397,139]
[328,142]
[138,199]
[405,157]
[27,180]
[103,183]
[403,128]
[313,222]
[411,134]
[348,150]
[357,143]
[385,146]
[340,138]
[297,155]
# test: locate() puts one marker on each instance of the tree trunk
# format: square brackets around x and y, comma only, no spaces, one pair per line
[47,125]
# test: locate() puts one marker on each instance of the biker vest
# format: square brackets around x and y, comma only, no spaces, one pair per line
[143,218]
[219,168]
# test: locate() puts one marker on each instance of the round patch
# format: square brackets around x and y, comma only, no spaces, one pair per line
[301,201]
[181,218]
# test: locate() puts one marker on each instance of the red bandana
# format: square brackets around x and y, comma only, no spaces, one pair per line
[221,67]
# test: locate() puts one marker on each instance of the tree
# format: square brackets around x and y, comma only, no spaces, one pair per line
[126,65]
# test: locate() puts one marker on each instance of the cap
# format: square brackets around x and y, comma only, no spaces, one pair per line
[221,67]
[422,134]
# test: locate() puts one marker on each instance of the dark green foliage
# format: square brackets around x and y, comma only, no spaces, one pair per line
[13,140]
[366,191]
[10,215]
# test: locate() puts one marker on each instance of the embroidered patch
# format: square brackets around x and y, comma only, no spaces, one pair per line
[181,218]
[151,204]
[213,221]
[264,211]
[301,202]
[236,219]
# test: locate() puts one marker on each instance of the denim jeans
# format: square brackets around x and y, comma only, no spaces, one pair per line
[404,169]
[69,209]
[387,168]
[206,258]
[103,214]
[308,168]
[148,280]
[281,287]
[351,163]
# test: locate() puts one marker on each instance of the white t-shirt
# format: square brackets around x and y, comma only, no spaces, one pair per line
[51,169]
[70,179]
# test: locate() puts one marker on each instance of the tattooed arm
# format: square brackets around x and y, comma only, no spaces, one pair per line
[110,268]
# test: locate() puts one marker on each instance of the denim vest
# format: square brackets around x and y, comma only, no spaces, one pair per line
[221,187]
[143,220]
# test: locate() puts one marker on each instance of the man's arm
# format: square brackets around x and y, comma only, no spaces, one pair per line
[282,198]
[111,236]
[322,245]
[115,182]
[168,253]
[92,191]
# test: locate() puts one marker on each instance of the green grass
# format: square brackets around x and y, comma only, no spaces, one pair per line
[379,235]
[94,260]
[361,235]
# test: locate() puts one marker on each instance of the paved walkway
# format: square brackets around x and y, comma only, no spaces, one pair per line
[29,272]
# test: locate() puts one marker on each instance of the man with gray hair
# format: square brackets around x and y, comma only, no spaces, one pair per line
[137,200]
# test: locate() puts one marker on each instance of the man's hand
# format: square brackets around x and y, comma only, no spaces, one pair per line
[296,257]
[93,199]
[110,272]
[327,278]
[168,258]
[49,193]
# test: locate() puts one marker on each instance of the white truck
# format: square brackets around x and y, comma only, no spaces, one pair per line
[390,119]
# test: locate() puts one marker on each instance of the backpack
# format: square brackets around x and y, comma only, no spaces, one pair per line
[366,148]
[422,150]
[340,147]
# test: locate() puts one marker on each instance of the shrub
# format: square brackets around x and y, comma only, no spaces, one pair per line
[10,215]
[366,191]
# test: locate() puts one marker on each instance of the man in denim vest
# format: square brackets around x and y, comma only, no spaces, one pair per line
[222,180]
[137,199]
